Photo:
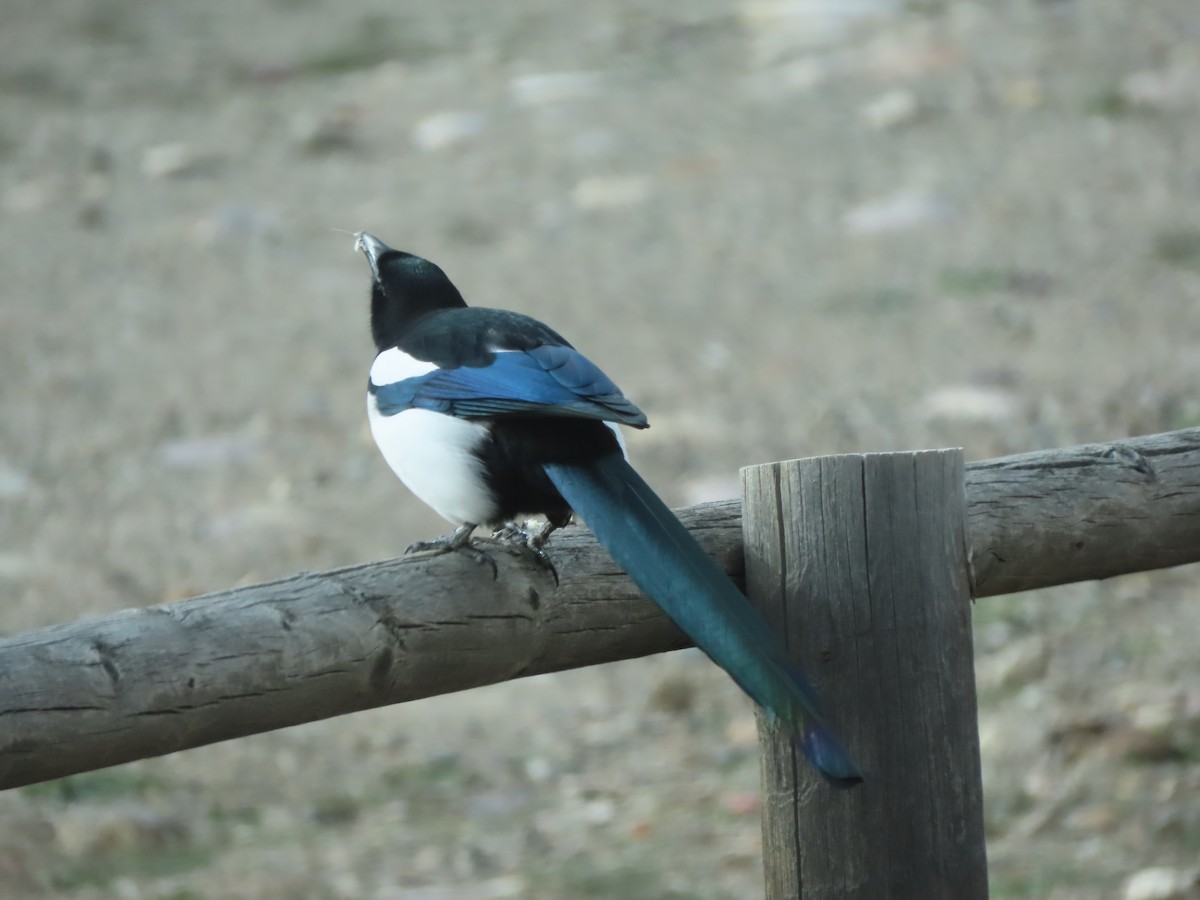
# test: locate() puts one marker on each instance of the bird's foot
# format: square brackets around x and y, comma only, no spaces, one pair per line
[540,538]
[457,541]
[512,536]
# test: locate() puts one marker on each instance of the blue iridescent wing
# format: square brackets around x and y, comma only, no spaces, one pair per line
[543,381]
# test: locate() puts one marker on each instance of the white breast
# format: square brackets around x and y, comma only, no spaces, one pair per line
[433,455]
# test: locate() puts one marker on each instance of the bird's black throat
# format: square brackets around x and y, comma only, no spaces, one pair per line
[405,289]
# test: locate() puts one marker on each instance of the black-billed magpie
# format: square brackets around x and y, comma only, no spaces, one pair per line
[487,415]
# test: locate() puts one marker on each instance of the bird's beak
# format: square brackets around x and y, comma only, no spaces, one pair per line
[372,248]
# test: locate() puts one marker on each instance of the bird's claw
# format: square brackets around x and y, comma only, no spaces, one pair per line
[510,533]
[513,537]
[458,541]
[540,538]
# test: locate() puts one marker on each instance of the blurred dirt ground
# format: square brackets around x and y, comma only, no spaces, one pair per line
[789,228]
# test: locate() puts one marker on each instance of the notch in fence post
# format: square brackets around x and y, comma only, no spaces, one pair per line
[860,561]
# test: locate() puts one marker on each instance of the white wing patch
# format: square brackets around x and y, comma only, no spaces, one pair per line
[433,455]
[395,365]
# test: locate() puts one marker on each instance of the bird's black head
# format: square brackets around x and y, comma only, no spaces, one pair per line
[404,287]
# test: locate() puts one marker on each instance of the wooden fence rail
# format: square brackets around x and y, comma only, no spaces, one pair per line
[150,681]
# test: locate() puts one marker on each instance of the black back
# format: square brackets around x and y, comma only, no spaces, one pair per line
[470,336]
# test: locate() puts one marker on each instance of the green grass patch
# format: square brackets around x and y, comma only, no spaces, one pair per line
[1179,247]
[875,302]
[235,815]
[985,280]
[432,788]
[377,40]
[582,878]
[152,863]
[181,893]
[437,770]
[336,809]
[106,784]
[1111,103]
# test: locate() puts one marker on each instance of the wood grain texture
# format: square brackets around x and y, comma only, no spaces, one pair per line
[1081,513]
[145,682]
[150,681]
[861,562]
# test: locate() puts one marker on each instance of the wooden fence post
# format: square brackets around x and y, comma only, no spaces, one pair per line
[861,561]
